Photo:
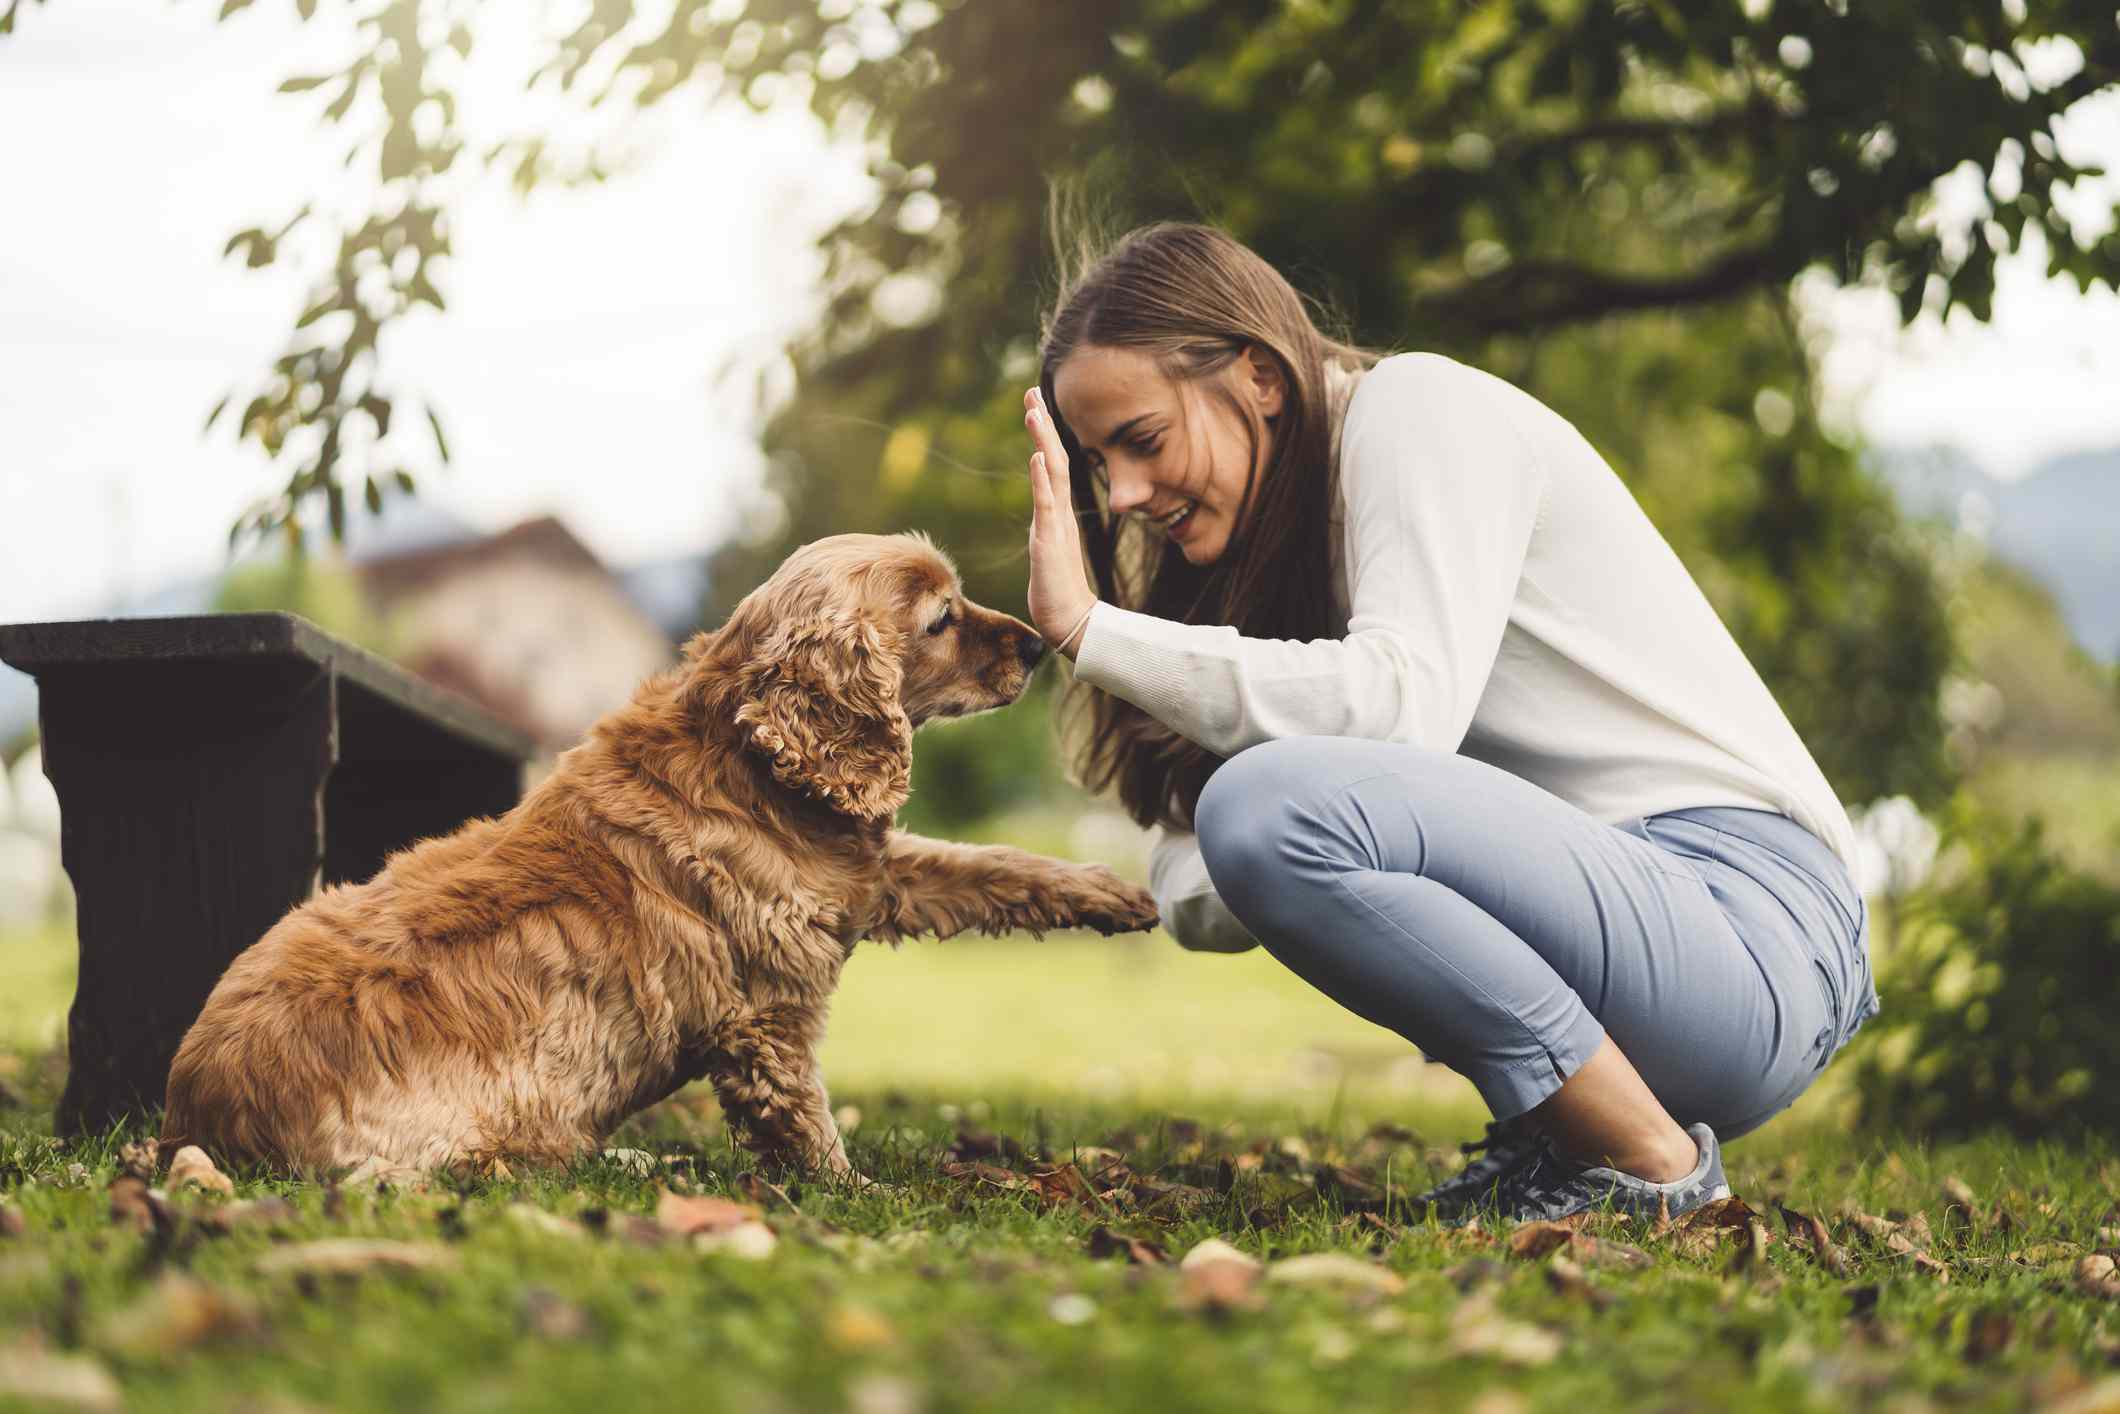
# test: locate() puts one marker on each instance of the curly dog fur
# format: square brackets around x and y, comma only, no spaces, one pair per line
[676,900]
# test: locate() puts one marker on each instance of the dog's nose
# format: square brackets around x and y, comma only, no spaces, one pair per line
[1030,648]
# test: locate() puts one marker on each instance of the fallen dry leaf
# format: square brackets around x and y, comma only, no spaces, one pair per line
[1569,1279]
[1103,1242]
[1828,1255]
[1900,1244]
[1533,1240]
[550,1316]
[748,1241]
[11,1221]
[686,1214]
[855,1329]
[191,1168]
[637,1162]
[2096,1276]
[765,1193]
[1215,1276]
[72,1381]
[140,1159]
[1987,1335]
[350,1256]
[133,1204]
[538,1220]
[1478,1328]
[1336,1269]
[1708,1228]
[1219,1286]
[176,1314]
[1214,1249]
[1959,1204]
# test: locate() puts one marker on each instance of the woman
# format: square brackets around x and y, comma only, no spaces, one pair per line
[1419,699]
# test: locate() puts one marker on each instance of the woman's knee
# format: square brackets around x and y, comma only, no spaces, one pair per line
[1246,816]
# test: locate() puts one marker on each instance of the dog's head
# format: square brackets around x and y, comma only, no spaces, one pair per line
[855,641]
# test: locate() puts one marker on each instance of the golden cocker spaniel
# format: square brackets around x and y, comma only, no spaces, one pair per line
[676,900]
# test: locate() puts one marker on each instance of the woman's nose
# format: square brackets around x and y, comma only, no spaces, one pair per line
[1129,489]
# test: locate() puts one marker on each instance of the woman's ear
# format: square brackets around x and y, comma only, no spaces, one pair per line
[1263,381]
[820,698]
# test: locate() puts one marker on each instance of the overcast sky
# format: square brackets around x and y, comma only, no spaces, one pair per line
[573,364]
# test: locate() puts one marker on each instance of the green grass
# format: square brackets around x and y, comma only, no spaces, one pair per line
[942,1293]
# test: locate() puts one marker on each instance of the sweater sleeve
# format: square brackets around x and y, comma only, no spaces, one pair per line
[1441,494]
[1191,910]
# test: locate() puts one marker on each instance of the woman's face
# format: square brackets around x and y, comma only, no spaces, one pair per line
[1169,449]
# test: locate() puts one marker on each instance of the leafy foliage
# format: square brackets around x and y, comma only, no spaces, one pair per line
[1999,997]
[1603,200]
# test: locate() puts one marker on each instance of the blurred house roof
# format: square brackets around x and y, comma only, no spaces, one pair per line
[412,544]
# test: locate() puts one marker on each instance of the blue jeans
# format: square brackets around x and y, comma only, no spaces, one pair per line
[1506,933]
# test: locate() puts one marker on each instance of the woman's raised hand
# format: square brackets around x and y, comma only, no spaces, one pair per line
[1060,596]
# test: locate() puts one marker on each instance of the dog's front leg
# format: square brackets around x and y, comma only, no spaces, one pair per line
[764,1069]
[939,887]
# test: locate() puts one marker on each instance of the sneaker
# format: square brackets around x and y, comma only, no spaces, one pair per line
[1508,1142]
[1550,1185]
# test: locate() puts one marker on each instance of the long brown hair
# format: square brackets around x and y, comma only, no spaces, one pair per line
[1195,299]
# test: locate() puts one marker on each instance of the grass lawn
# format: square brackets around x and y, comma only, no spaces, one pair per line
[1032,1107]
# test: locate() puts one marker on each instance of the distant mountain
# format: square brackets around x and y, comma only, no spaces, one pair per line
[2060,523]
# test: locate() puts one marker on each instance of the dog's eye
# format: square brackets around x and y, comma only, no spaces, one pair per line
[940,624]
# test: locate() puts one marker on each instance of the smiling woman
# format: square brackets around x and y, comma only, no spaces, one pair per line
[1418,699]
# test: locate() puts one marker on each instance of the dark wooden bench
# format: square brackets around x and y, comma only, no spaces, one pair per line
[209,772]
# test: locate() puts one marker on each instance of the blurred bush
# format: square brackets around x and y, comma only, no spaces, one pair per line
[2000,986]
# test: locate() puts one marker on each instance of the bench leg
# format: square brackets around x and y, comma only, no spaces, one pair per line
[191,819]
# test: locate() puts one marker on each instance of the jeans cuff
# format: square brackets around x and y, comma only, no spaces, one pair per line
[1513,1087]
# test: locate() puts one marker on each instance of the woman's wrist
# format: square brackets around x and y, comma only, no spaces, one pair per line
[1066,646]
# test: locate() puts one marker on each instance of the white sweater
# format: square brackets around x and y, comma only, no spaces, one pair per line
[1508,600]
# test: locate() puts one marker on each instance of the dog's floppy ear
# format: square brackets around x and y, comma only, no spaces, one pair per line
[820,698]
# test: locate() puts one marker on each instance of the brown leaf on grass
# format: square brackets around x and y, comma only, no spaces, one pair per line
[536,1219]
[1337,1269]
[1219,1286]
[351,1256]
[1153,1197]
[2098,1276]
[551,1316]
[1869,1224]
[1987,1335]
[767,1195]
[1917,1230]
[1216,1277]
[1103,1242]
[1533,1240]
[1062,1183]
[39,1378]
[855,1329]
[1570,1280]
[177,1314]
[1352,1191]
[11,1221]
[191,1168]
[1959,1204]
[1710,1227]
[683,1215]
[133,1204]
[1823,1249]
[1477,1327]
[1900,1244]
[140,1158]
[992,1175]
[1751,1256]
[972,1143]
[1474,1272]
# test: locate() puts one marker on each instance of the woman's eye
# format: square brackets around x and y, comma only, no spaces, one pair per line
[1147,447]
